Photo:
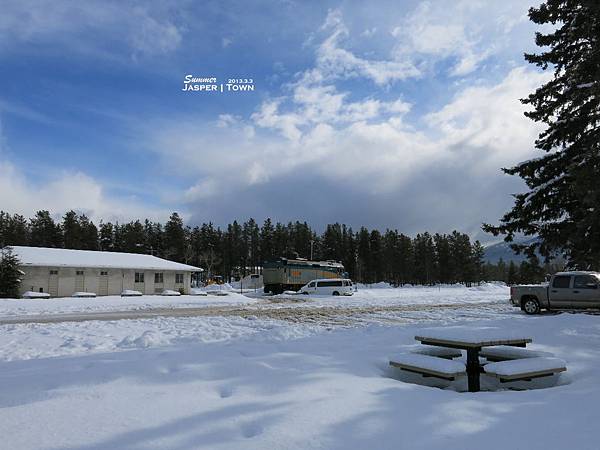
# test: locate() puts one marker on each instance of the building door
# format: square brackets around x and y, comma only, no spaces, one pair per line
[53,283]
[79,281]
[159,283]
[103,284]
[138,282]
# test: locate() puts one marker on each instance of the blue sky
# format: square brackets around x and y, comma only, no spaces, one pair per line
[387,114]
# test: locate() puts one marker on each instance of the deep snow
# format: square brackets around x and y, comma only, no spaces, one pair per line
[253,383]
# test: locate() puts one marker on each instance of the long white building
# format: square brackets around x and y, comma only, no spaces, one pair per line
[61,273]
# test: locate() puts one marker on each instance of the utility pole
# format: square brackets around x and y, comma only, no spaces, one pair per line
[311,249]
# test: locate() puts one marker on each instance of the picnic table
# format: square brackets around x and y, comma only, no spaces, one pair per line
[472,340]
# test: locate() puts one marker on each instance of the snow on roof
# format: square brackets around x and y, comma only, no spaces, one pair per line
[59,257]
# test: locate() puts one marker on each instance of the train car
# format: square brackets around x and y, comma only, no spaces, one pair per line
[285,274]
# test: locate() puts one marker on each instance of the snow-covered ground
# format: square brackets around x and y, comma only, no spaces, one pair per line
[285,386]
[21,307]
[364,297]
[253,382]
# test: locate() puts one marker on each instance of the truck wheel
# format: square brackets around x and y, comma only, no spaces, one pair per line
[336,293]
[531,306]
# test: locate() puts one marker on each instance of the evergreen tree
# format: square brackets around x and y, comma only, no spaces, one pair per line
[349,257]
[424,259]
[88,234]
[390,257]
[281,244]
[478,254]
[363,256]
[561,206]
[10,274]
[513,274]
[174,239]
[133,237]
[44,232]
[405,266]
[444,260]
[13,229]
[267,251]
[153,236]
[375,257]
[530,271]
[71,230]
[331,243]
[462,258]
[107,237]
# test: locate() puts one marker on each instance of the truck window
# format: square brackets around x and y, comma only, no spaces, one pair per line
[585,282]
[561,282]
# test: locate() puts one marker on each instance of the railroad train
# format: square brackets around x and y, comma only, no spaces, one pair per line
[283,274]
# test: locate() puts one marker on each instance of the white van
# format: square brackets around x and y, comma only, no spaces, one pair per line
[328,286]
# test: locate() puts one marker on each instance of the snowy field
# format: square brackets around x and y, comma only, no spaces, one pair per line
[19,307]
[367,296]
[252,382]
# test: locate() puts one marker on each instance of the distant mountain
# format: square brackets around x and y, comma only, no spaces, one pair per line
[502,250]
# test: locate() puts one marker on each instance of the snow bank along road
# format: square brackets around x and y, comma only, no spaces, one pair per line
[322,314]
[395,303]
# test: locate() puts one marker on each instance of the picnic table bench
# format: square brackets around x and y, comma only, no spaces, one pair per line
[440,352]
[507,353]
[428,366]
[525,369]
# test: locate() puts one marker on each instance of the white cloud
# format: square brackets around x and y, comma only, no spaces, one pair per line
[467,31]
[226,120]
[369,32]
[333,61]
[92,27]
[65,191]
[268,117]
[203,189]
[489,120]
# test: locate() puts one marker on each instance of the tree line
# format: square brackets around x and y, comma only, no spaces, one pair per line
[369,256]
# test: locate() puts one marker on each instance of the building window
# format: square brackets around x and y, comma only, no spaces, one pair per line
[178,278]
[79,272]
[103,273]
[54,272]
[158,278]
[139,277]
[41,289]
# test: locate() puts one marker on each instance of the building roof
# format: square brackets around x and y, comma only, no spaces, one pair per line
[60,257]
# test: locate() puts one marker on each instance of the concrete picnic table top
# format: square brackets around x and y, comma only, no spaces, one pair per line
[471,337]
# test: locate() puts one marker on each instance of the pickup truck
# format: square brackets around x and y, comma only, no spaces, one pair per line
[565,290]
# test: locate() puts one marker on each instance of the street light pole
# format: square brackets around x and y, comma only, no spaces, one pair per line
[311,248]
